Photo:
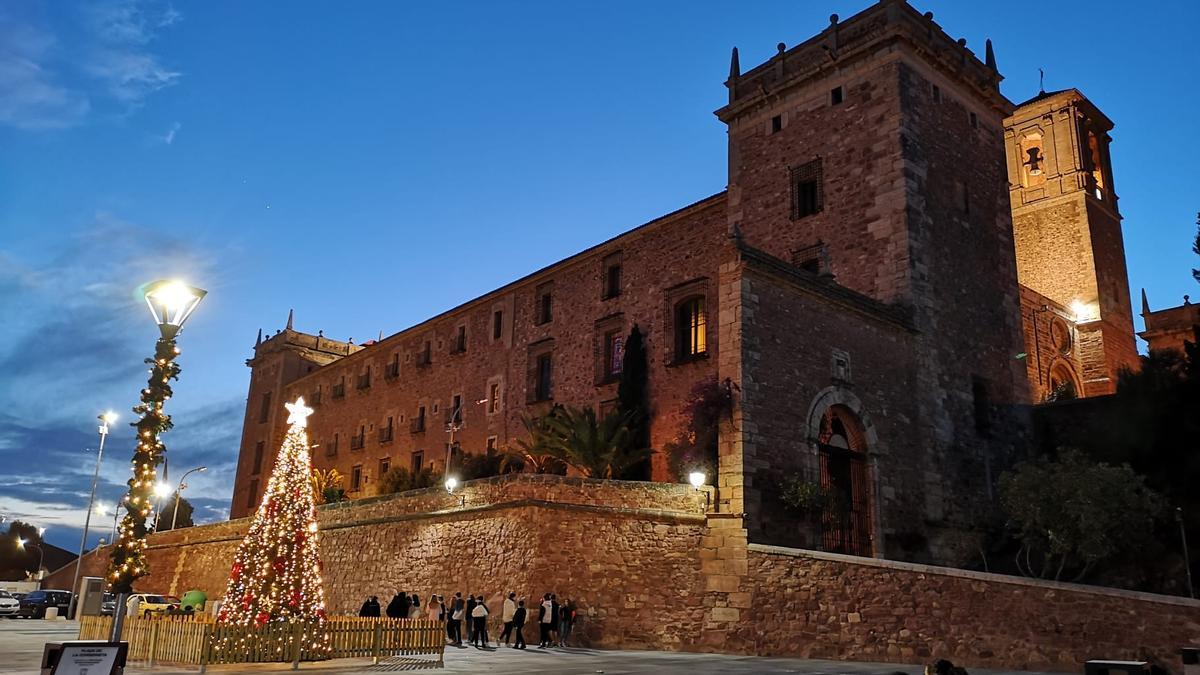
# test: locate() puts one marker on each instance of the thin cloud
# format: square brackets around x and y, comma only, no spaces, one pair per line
[48,84]
[169,137]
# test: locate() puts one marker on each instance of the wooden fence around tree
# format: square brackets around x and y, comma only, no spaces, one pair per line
[193,640]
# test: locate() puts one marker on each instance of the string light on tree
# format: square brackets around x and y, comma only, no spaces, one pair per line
[276,573]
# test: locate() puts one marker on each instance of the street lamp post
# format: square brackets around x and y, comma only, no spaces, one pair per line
[170,303]
[24,544]
[179,491]
[105,420]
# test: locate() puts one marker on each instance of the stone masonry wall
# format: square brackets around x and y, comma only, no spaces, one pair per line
[829,606]
[649,570]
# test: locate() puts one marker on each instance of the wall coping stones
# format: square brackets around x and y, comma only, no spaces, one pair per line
[990,577]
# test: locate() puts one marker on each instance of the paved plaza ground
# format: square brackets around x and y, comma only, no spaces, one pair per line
[21,650]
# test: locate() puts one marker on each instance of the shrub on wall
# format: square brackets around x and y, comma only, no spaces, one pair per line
[695,449]
[400,479]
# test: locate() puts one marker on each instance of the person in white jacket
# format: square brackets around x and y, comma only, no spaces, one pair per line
[506,615]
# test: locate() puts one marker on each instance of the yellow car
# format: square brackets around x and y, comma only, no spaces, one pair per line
[149,604]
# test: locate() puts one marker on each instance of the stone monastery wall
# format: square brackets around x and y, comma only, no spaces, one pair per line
[649,569]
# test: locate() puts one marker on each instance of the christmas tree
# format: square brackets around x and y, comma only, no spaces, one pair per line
[276,573]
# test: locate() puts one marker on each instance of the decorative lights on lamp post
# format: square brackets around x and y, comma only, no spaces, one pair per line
[105,420]
[179,491]
[170,303]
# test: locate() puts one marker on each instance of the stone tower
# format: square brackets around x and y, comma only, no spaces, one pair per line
[278,360]
[873,155]
[1067,227]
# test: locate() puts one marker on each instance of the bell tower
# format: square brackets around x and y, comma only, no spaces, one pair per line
[1067,227]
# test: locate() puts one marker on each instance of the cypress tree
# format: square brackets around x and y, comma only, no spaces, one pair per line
[632,396]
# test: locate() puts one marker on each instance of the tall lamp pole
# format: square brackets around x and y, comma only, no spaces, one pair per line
[105,420]
[1187,560]
[179,491]
[171,303]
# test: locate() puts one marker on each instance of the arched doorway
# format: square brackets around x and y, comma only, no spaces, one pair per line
[846,475]
[1064,385]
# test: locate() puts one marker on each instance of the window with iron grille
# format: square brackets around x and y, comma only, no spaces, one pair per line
[418,422]
[332,448]
[392,370]
[386,433]
[426,356]
[455,414]
[807,190]
[316,396]
[364,379]
[356,478]
[493,397]
[544,311]
[339,389]
[358,441]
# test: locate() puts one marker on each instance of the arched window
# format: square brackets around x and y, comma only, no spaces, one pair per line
[691,329]
[1063,386]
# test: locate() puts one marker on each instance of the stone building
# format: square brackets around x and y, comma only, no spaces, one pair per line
[1168,329]
[880,308]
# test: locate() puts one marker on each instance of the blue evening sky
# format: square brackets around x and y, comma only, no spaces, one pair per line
[373,163]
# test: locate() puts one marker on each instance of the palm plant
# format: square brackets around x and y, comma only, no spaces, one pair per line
[535,454]
[597,447]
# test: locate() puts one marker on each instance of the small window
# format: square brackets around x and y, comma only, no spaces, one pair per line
[333,447]
[974,120]
[364,380]
[387,433]
[455,415]
[252,494]
[841,365]
[612,277]
[691,329]
[776,124]
[937,94]
[356,478]
[493,397]
[419,420]
[497,324]
[385,465]
[258,457]
[418,461]
[264,411]
[614,354]
[835,96]
[491,445]
[983,405]
[392,371]
[460,340]
[545,307]
[426,356]
[544,382]
[339,389]
[807,191]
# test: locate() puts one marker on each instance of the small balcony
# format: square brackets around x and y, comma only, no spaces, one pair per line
[357,442]
[339,391]
[391,371]
[417,426]
[386,434]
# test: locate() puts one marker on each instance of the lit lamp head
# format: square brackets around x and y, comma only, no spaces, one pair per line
[21,543]
[171,303]
[451,484]
[105,420]
[697,479]
[162,489]
[41,531]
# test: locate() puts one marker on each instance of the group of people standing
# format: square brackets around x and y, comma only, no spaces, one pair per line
[555,620]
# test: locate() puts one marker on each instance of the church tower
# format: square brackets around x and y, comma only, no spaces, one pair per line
[1067,233]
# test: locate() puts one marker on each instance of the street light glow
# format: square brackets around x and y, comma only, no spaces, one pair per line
[171,302]
[20,543]
[162,489]
[109,417]
[697,479]
[451,484]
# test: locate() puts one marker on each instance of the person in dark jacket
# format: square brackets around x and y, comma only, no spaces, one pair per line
[372,607]
[365,610]
[468,617]
[457,614]
[554,616]
[518,625]
[395,608]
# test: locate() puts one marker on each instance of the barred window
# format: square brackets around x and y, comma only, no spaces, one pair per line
[691,329]
[808,196]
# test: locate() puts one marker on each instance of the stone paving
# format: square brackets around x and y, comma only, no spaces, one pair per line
[21,649]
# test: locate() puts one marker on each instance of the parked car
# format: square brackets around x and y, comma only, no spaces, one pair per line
[155,604]
[108,604]
[35,604]
[8,605]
